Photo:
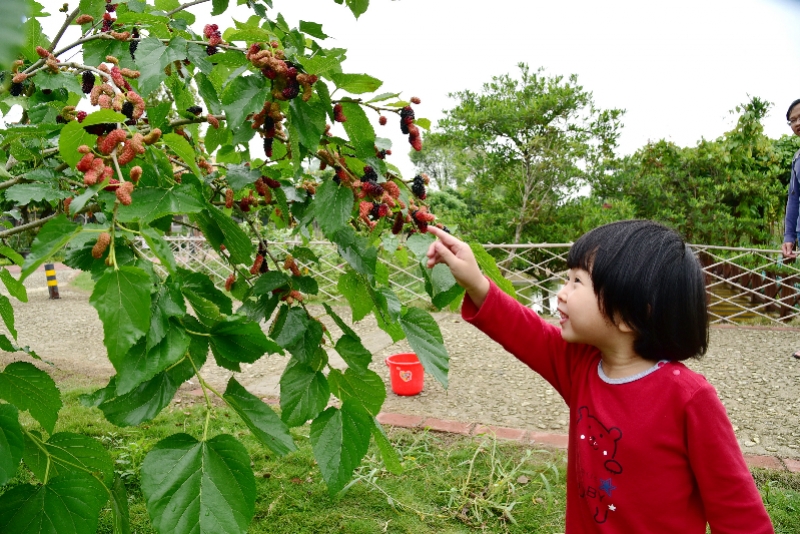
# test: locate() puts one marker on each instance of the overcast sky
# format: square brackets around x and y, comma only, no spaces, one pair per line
[677,67]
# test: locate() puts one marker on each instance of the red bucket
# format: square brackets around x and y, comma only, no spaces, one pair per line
[406,373]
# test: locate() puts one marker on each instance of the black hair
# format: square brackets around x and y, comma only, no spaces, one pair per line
[791,106]
[645,276]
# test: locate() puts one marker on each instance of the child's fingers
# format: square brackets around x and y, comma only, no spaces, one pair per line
[446,238]
[439,253]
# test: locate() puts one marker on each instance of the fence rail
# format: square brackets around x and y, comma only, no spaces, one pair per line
[744,285]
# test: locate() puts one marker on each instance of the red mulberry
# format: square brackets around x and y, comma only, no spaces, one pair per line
[100,247]
[397,227]
[256,268]
[229,281]
[124,193]
[338,113]
[382,120]
[229,198]
[415,100]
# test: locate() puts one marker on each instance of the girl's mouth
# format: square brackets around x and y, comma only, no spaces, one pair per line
[563,317]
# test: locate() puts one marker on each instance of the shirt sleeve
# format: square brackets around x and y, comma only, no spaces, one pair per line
[527,336]
[730,497]
[792,208]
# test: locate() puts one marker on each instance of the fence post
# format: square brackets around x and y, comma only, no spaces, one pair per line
[52,283]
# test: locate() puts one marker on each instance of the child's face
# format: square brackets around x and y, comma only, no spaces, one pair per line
[581,318]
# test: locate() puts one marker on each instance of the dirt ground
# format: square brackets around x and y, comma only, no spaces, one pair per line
[756,378]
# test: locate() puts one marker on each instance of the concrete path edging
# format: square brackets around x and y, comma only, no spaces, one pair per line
[546,439]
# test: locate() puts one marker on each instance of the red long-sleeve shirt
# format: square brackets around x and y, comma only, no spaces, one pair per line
[654,453]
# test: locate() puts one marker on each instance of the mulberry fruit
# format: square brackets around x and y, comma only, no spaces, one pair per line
[229,198]
[16,89]
[338,113]
[268,146]
[127,109]
[84,19]
[415,100]
[136,174]
[213,121]
[397,227]
[418,187]
[273,184]
[256,268]
[372,189]
[229,282]
[80,116]
[291,91]
[134,44]
[369,174]
[67,202]
[124,193]
[100,247]
[382,120]
[195,110]
[406,118]
[211,50]
[108,22]
[379,210]
[88,81]
[391,188]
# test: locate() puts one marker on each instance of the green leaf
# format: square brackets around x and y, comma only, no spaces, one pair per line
[387,313]
[304,393]
[313,29]
[268,281]
[184,150]
[24,194]
[340,439]
[309,119]
[262,421]
[359,130]
[425,338]
[199,486]
[163,251]
[67,504]
[390,457]
[237,339]
[356,84]
[356,250]
[240,176]
[29,388]
[7,313]
[51,237]
[143,363]
[142,404]
[11,443]
[340,322]
[12,35]
[440,284]
[154,203]
[15,288]
[236,240]
[358,7]
[244,95]
[218,7]
[333,207]
[69,453]
[383,96]
[208,302]
[152,57]
[166,302]
[119,507]
[363,387]
[11,254]
[122,300]
[489,267]
[47,80]
[305,347]
[353,352]
[355,290]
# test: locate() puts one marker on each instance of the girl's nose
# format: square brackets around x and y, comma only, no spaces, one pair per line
[562,293]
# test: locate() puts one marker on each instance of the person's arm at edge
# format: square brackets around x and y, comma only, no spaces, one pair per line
[790,222]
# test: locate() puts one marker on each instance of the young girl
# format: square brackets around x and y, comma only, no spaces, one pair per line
[651,449]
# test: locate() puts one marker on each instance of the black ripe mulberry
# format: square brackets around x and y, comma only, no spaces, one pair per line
[369,175]
[195,110]
[211,50]
[406,117]
[268,146]
[88,82]
[134,43]
[16,89]
[399,221]
[127,109]
[418,187]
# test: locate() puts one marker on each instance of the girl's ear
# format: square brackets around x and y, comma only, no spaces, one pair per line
[624,328]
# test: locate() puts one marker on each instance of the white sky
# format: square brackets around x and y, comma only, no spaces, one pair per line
[677,67]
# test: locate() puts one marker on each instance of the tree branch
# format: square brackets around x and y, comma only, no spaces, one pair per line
[184,6]
[60,33]
[25,227]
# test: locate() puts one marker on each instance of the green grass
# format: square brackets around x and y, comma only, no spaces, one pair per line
[450,484]
[83,281]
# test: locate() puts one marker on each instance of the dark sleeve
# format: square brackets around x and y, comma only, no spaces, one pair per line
[730,497]
[792,208]
[527,336]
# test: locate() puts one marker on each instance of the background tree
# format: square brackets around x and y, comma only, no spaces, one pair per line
[729,191]
[529,142]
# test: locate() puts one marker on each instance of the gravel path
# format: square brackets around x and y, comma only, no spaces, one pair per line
[755,377]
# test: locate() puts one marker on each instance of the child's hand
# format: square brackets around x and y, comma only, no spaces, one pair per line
[461,261]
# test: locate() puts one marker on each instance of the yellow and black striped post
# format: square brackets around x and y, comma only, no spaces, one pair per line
[52,283]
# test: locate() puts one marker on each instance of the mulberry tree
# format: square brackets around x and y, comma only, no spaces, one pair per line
[102,163]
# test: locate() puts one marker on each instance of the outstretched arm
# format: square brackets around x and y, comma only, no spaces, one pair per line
[461,261]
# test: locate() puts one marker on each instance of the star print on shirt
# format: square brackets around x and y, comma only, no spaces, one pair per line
[607,486]
[612,507]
